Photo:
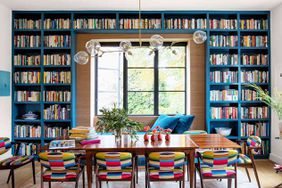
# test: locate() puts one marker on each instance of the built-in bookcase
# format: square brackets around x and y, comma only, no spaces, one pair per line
[237,52]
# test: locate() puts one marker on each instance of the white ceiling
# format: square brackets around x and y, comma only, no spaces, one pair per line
[146,4]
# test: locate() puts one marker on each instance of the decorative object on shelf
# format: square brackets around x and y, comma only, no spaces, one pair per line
[274,102]
[30,116]
[4,83]
[116,120]
[94,48]
[224,131]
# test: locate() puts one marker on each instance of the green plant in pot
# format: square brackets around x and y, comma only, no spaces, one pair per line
[274,101]
[116,120]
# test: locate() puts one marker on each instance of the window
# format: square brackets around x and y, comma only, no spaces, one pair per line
[143,84]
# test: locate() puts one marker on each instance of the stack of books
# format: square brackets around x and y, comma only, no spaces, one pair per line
[83,133]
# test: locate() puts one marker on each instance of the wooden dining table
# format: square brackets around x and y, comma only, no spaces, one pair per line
[178,143]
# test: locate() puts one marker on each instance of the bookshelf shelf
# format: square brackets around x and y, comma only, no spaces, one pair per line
[28,139]
[27,102]
[46,24]
[26,121]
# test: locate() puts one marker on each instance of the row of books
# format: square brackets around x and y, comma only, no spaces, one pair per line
[224,95]
[57,112]
[224,59]
[254,41]
[32,77]
[258,129]
[254,24]
[254,76]
[224,112]
[254,112]
[186,23]
[27,131]
[54,132]
[255,59]
[249,95]
[26,60]
[223,24]
[57,59]
[224,76]
[26,41]
[57,96]
[92,23]
[63,77]
[59,23]
[29,96]
[143,24]
[28,148]
[57,41]
[27,24]
[223,41]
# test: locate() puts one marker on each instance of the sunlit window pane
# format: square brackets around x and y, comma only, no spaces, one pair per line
[140,58]
[141,103]
[171,79]
[168,59]
[171,102]
[140,79]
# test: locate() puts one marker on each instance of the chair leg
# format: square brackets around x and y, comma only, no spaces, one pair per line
[83,177]
[13,178]
[50,184]
[136,166]
[9,177]
[76,184]
[201,178]
[229,183]
[256,174]
[188,177]
[180,184]
[183,183]
[248,174]
[33,172]
[100,184]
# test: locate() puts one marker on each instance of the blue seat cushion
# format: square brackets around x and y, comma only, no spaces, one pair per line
[165,122]
[184,123]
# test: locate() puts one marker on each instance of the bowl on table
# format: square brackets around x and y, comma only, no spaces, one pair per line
[224,131]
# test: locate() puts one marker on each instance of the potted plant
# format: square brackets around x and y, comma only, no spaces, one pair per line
[275,102]
[116,120]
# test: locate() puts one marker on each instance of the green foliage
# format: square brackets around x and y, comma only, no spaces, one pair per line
[116,120]
[274,102]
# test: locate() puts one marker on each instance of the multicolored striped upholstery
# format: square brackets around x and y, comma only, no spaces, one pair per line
[219,163]
[244,159]
[60,166]
[254,141]
[166,165]
[16,160]
[195,132]
[5,145]
[114,165]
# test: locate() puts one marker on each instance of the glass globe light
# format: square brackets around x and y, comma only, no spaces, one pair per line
[81,57]
[92,46]
[199,37]
[156,41]
[125,45]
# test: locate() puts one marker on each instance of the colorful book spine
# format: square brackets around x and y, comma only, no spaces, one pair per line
[27,41]
[254,41]
[57,96]
[223,24]
[224,95]
[254,76]
[57,59]
[224,112]
[144,23]
[186,23]
[27,24]
[28,148]
[254,112]
[59,23]
[63,77]
[255,59]
[224,76]
[27,77]
[27,131]
[27,96]
[26,60]
[250,95]
[57,112]
[257,129]
[57,41]
[224,59]
[223,41]
[55,132]
[94,23]
[254,24]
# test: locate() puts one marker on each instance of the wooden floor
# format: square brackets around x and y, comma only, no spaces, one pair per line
[265,169]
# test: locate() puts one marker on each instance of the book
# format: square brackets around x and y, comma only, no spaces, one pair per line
[254,41]
[54,132]
[94,23]
[224,59]
[24,23]
[254,112]
[52,41]
[254,76]
[224,112]
[62,77]
[57,96]
[145,23]
[59,23]
[28,148]
[224,95]
[27,77]
[223,41]
[223,23]
[28,96]
[57,112]
[27,131]
[254,59]
[185,23]
[62,144]
[26,60]
[257,129]
[250,95]
[57,59]
[26,41]
[254,24]
[224,76]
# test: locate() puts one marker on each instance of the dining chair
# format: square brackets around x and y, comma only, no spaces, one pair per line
[14,162]
[251,146]
[115,166]
[165,166]
[60,167]
[218,164]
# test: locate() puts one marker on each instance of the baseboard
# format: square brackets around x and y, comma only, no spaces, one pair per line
[275,158]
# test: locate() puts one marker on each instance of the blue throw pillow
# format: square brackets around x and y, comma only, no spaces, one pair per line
[165,122]
[184,123]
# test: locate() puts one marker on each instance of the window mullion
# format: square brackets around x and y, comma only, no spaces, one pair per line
[156,83]
[125,83]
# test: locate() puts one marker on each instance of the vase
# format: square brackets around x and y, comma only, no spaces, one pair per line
[117,135]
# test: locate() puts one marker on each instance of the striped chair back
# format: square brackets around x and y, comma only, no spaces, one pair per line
[220,159]
[5,145]
[254,141]
[166,161]
[57,161]
[114,161]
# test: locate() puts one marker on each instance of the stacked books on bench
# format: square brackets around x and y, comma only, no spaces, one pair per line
[87,135]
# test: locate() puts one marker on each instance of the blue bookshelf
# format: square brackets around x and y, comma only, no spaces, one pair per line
[190,22]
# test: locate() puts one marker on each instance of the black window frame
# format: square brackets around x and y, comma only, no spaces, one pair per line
[155,68]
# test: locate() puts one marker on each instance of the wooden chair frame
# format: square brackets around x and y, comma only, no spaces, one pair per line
[148,180]
[248,150]
[229,178]
[132,180]
[80,170]
[14,167]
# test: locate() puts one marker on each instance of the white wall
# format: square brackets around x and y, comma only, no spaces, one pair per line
[276,80]
[5,64]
